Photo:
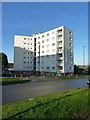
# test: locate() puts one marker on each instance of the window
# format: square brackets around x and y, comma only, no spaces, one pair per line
[42,46]
[24,43]
[24,57]
[61,67]
[31,43]
[70,38]
[53,38]
[28,43]
[47,56]
[53,32]
[71,62]
[42,51]
[42,67]
[71,68]
[38,42]
[47,51]
[61,55]
[31,48]
[59,30]
[70,56]
[47,40]
[38,61]
[28,52]
[28,62]
[70,44]
[28,57]
[42,36]
[48,34]
[38,37]
[24,66]
[70,50]
[53,50]
[28,48]
[27,67]
[31,38]
[53,44]
[53,68]
[28,38]
[24,47]
[24,38]
[70,33]
[24,62]
[24,52]
[47,45]
[48,68]
[43,41]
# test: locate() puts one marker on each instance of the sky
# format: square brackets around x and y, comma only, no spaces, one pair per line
[25,18]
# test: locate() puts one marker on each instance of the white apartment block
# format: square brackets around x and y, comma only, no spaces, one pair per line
[48,52]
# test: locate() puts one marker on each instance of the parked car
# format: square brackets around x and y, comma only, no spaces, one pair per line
[6,73]
[88,83]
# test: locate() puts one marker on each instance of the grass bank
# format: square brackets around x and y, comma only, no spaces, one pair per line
[6,82]
[65,104]
[8,77]
[71,77]
[75,77]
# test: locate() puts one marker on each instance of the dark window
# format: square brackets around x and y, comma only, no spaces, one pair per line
[47,67]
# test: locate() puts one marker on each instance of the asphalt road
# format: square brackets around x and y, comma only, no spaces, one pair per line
[38,87]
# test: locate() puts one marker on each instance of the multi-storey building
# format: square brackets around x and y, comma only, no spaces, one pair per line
[50,52]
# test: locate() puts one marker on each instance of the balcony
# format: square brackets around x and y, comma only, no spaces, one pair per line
[59,58]
[59,45]
[59,51]
[59,34]
[59,63]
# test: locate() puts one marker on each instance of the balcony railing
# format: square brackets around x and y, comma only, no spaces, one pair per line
[59,45]
[59,58]
[59,51]
[59,63]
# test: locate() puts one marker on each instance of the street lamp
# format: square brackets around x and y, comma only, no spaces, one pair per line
[39,59]
[84,55]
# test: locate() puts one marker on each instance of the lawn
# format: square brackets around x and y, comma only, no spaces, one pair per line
[6,82]
[8,77]
[75,77]
[66,104]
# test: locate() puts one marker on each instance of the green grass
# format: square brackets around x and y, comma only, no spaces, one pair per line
[13,81]
[71,77]
[8,77]
[65,104]
[74,77]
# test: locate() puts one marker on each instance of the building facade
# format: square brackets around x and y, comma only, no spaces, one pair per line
[48,52]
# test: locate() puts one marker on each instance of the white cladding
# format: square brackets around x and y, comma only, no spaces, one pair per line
[54,51]
[23,53]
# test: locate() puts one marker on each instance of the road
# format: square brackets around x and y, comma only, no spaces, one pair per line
[38,87]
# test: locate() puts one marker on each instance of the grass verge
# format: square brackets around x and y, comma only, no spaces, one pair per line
[71,77]
[6,82]
[65,104]
[8,77]
[75,77]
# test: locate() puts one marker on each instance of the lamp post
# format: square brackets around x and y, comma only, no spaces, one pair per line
[84,55]
[39,59]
